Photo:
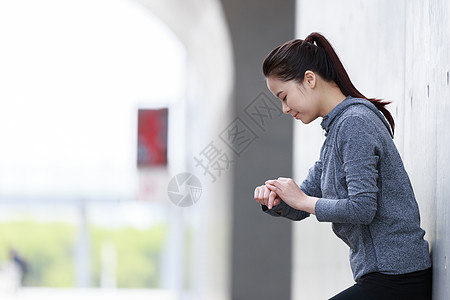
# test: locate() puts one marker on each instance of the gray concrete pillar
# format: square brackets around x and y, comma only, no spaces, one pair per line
[261,244]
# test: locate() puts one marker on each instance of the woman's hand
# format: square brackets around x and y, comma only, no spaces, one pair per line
[292,195]
[265,196]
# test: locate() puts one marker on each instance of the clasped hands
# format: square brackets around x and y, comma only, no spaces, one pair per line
[271,193]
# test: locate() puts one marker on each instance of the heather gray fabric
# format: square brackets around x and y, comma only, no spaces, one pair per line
[365,192]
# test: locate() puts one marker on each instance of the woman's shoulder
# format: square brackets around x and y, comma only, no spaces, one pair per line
[365,115]
[360,124]
[362,108]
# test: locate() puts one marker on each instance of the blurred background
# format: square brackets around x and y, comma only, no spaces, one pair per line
[133,133]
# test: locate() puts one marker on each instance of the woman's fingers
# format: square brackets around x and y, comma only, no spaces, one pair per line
[265,196]
[271,182]
[271,187]
[259,194]
[276,201]
[266,193]
[272,196]
[256,194]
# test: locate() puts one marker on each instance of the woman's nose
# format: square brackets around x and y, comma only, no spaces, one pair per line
[286,108]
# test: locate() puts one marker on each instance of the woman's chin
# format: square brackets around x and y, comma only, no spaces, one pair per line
[305,121]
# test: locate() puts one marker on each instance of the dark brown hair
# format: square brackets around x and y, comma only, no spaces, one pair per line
[291,60]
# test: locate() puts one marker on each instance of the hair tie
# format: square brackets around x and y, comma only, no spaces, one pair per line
[310,39]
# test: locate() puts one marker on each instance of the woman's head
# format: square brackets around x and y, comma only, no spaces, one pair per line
[303,100]
[291,61]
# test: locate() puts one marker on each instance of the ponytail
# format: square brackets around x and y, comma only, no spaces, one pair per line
[292,59]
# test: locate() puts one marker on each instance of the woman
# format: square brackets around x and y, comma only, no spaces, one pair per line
[359,183]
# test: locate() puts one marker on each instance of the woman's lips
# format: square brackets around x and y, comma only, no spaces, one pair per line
[295,116]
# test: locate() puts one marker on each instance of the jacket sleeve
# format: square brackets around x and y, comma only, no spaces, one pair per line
[358,147]
[284,210]
[310,186]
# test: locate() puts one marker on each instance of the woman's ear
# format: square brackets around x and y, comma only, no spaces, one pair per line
[310,79]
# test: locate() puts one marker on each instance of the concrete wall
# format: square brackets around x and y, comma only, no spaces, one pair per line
[399,51]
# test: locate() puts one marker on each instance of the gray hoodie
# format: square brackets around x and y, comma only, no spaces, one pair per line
[364,190]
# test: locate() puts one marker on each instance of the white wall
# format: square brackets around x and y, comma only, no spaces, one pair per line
[399,51]
[69,92]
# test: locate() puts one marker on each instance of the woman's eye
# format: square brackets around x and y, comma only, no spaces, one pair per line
[284,99]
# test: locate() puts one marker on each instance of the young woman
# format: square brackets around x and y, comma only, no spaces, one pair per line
[359,184]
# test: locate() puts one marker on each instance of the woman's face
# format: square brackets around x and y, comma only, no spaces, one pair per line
[297,98]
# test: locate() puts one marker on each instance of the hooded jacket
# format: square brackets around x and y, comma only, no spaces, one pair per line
[365,191]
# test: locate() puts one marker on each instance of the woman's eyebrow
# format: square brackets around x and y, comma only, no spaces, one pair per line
[278,94]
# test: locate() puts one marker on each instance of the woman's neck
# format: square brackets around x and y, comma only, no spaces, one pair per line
[331,96]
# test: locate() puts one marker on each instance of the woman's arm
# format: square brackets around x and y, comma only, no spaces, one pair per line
[310,186]
[287,189]
[279,208]
[359,149]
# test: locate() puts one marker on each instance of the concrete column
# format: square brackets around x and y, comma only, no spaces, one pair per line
[82,251]
[261,244]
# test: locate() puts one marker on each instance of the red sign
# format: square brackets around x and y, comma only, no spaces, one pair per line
[152,137]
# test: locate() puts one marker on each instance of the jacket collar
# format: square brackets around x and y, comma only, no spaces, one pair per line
[328,120]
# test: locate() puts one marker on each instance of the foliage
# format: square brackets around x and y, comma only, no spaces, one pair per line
[138,255]
[46,247]
[49,247]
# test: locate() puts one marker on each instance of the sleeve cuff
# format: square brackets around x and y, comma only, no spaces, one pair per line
[284,210]
[324,209]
